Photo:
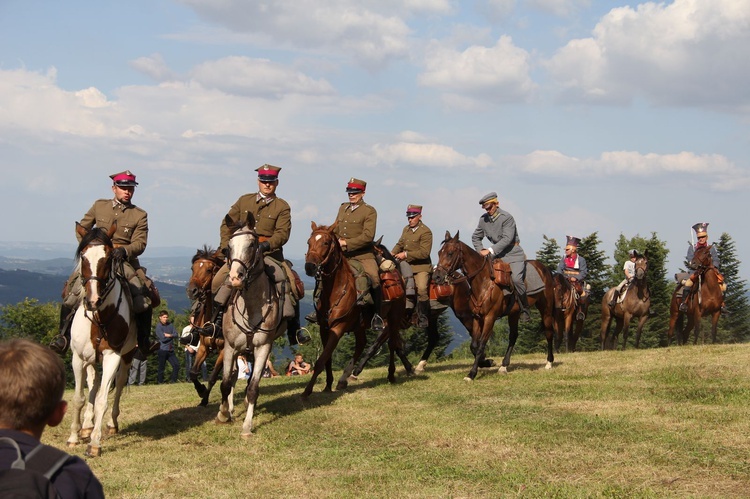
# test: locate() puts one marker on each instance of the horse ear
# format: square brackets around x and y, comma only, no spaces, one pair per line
[379,241]
[447,235]
[457,235]
[313,226]
[645,254]
[250,220]
[228,221]
[112,229]
[80,229]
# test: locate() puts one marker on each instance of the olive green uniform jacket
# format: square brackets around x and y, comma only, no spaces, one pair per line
[132,226]
[417,243]
[357,227]
[273,221]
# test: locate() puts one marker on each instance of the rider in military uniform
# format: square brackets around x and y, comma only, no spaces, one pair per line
[499,227]
[573,267]
[129,241]
[273,224]
[413,251]
[701,233]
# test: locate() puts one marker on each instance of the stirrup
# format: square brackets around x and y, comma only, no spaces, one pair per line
[303,336]
[377,323]
[580,316]
[60,345]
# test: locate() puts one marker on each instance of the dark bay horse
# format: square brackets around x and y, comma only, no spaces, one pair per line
[706,299]
[568,309]
[204,266]
[636,303]
[489,301]
[394,316]
[253,318]
[103,331]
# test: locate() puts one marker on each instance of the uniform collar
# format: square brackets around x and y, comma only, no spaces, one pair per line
[260,198]
[121,206]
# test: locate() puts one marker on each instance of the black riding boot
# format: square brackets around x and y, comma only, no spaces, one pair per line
[524,304]
[61,342]
[143,329]
[423,314]
[294,332]
[213,327]
[685,295]
[613,301]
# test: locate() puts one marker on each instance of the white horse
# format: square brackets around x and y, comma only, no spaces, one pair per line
[253,318]
[103,330]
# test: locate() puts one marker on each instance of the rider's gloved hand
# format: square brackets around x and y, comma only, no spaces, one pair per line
[119,253]
[264,247]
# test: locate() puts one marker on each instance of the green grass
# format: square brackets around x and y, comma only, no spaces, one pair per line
[653,423]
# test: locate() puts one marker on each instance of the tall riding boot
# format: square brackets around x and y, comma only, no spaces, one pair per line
[377,323]
[143,330]
[423,314]
[294,332]
[685,295]
[312,317]
[61,342]
[524,304]
[213,327]
[615,296]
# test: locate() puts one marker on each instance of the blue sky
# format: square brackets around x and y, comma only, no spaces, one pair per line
[617,117]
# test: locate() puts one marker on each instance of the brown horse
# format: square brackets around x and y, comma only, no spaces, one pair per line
[338,311]
[394,315]
[703,301]
[103,330]
[490,301]
[636,303]
[568,309]
[205,264]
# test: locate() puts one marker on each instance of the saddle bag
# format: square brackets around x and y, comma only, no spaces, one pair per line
[299,286]
[392,286]
[440,291]
[502,273]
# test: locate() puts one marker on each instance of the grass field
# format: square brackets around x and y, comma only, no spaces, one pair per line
[672,422]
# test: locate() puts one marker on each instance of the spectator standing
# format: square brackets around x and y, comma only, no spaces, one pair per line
[138,369]
[166,334]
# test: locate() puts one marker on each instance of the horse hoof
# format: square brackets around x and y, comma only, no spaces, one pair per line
[502,370]
[92,451]
[339,386]
[112,430]
[85,433]
[353,377]
[467,378]
[72,444]
[420,367]
[246,436]
[548,365]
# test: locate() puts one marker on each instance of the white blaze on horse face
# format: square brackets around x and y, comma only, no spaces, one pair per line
[241,250]
[93,258]
[318,236]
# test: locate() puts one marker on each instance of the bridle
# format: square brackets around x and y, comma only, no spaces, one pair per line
[457,262]
[331,256]
[251,269]
[108,282]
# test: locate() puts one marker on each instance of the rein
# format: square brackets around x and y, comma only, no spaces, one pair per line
[321,274]
[96,317]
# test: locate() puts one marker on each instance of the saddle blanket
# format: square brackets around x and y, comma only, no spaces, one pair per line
[534,282]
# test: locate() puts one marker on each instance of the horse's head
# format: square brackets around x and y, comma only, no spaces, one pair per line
[322,249]
[702,259]
[205,264]
[383,255]
[95,264]
[450,258]
[641,266]
[243,251]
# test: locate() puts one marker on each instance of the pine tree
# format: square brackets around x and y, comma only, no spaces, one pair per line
[655,330]
[737,323]
[598,272]
[549,253]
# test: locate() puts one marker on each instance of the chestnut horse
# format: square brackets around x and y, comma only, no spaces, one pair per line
[338,310]
[636,303]
[103,330]
[568,326]
[394,316]
[253,318]
[706,299]
[489,301]
[205,264]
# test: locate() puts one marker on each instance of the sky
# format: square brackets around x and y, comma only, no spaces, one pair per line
[584,116]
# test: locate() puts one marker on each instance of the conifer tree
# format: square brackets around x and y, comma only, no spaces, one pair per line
[550,253]
[598,272]
[737,323]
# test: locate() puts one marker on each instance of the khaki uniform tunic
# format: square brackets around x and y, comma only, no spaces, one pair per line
[357,226]
[418,244]
[132,226]
[273,221]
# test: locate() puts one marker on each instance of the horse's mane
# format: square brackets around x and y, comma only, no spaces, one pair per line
[385,253]
[97,234]
[207,253]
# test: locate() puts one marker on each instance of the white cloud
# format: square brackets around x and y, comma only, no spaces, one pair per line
[154,67]
[562,8]
[715,170]
[687,53]
[429,155]
[498,74]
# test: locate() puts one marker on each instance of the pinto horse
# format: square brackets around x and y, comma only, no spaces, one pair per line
[253,318]
[204,266]
[394,318]
[489,301]
[636,303]
[568,326]
[706,300]
[103,330]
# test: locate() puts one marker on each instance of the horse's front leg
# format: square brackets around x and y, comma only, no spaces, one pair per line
[360,341]
[261,354]
[369,354]
[512,337]
[78,399]
[122,378]
[110,363]
[198,360]
[641,321]
[229,378]
[697,321]
[329,340]
[212,378]
[93,380]
[714,324]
